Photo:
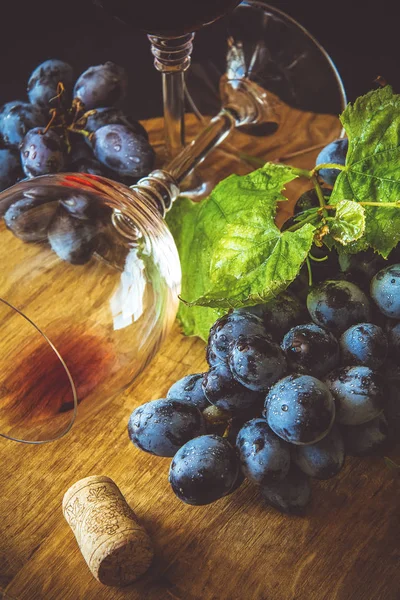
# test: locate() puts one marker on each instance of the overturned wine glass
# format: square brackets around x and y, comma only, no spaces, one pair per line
[92,264]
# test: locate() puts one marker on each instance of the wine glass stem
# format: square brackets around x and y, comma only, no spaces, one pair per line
[172,59]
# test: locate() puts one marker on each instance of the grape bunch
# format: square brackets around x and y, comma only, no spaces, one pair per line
[69,126]
[293,386]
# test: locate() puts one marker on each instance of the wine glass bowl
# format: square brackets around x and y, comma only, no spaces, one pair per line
[170,19]
[100,281]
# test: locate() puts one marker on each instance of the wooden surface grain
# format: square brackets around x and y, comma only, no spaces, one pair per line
[346,548]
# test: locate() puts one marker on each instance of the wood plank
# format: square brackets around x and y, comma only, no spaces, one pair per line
[346,548]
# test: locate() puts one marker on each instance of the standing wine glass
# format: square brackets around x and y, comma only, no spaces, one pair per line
[170,25]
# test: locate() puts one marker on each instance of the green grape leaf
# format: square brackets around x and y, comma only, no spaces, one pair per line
[348,224]
[232,253]
[372,171]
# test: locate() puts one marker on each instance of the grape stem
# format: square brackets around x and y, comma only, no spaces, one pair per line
[315,259]
[310,278]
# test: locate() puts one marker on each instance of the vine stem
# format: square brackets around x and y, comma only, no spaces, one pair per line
[329,166]
[382,204]
[309,219]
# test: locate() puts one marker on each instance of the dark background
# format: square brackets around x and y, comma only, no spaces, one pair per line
[362,39]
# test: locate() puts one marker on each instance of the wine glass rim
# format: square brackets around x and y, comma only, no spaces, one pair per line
[67,371]
[272,9]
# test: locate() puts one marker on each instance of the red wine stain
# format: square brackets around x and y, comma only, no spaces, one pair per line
[39,388]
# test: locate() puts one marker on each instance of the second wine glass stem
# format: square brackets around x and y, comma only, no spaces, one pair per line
[172,59]
[174,112]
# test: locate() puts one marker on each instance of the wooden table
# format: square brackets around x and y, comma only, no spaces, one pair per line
[347,548]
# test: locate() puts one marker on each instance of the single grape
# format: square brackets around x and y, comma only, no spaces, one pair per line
[101,85]
[300,409]
[393,336]
[42,153]
[333,153]
[204,470]
[222,390]
[16,119]
[291,495]
[73,240]
[310,200]
[10,168]
[43,83]
[29,218]
[337,305]
[263,455]
[123,151]
[324,459]
[279,314]
[256,362]
[111,115]
[365,439]
[230,328]
[364,344]
[360,268]
[311,350]
[358,392]
[189,389]
[385,291]
[163,426]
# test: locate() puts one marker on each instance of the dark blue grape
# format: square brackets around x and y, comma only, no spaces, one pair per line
[393,336]
[10,168]
[189,389]
[333,153]
[291,495]
[112,116]
[385,291]
[42,153]
[365,439]
[29,218]
[263,455]
[16,119]
[256,362]
[204,470]
[364,344]
[300,409]
[358,392]
[123,151]
[311,350]
[324,459]
[101,85]
[73,240]
[163,426]
[279,314]
[222,390]
[230,328]
[43,83]
[337,305]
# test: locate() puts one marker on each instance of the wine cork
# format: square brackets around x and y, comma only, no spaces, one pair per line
[116,548]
